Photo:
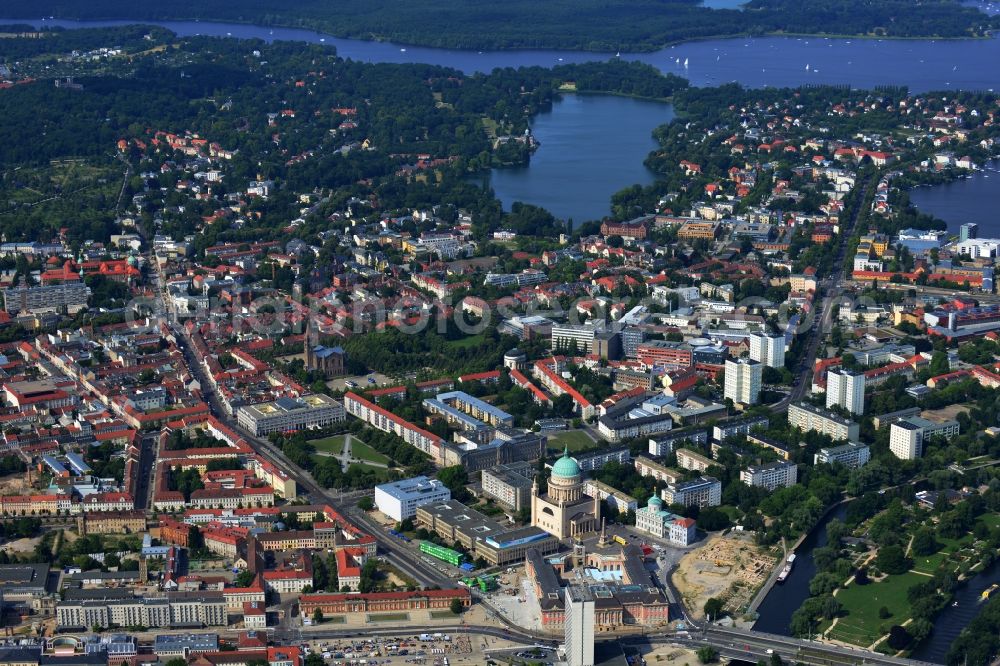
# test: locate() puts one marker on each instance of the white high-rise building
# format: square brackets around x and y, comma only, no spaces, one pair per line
[579,626]
[768,348]
[906,440]
[846,388]
[743,379]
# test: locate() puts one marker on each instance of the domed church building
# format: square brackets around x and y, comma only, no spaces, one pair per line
[564,511]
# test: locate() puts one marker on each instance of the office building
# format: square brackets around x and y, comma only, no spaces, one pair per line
[574,337]
[499,545]
[743,380]
[579,627]
[284,414]
[846,389]
[22,584]
[768,349]
[184,645]
[771,476]
[805,417]
[703,491]
[852,455]
[399,500]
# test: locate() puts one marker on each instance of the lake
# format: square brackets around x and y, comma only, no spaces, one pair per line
[582,135]
[920,64]
[591,146]
[973,199]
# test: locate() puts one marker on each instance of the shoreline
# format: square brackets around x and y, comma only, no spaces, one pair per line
[326,31]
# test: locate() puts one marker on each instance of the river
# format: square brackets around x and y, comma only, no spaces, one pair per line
[580,138]
[973,199]
[949,624]
[775,612]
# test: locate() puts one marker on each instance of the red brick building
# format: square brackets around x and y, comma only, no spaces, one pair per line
[382,601]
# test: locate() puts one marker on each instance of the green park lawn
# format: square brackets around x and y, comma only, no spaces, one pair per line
[574,439]
[362,451]
[859,622]
[463,343]
[333,444]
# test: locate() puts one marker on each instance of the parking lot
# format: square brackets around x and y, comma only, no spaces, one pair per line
[463,649]
[363,382]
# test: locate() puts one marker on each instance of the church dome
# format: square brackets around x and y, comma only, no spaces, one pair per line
[654,501]
[566,467]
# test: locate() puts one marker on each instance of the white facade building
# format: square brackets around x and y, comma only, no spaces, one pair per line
[743,379]
[771,476]
[852,455]
[846,389]
[579,626]
[906,440]
[399,500]
[768,349]
[703,491]
[574,336]
[309,411]
[805,417]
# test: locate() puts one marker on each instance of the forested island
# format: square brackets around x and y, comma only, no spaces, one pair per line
[592,25]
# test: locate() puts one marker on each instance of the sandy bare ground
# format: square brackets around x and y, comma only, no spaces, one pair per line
[729,567]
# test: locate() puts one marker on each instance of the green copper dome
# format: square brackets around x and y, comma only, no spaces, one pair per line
[566,467]
[654,501]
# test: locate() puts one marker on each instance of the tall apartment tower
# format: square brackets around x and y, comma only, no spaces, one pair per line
[846,388]
[906,440]
[579,626]
[768,349]
[968,231]
[743,379]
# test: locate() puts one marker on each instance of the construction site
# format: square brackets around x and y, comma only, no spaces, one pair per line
[728,567]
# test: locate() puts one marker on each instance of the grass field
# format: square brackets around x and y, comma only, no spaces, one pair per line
[388,617]
[333,444]
[380,472]
[442,614]
[471,341]
[928,564]
[574,439]
[362,451]
[859,622]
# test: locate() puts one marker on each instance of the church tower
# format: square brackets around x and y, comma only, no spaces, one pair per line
[310,346]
